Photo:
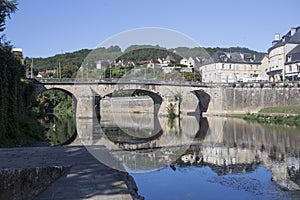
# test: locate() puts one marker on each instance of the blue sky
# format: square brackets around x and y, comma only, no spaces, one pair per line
[47,27]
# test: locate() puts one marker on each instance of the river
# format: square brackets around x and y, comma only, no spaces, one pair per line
[205,158]
[221,158]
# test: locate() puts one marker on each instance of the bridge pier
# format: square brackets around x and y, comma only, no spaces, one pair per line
[85,115]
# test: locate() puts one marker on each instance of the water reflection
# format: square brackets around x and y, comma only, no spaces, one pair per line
[60,129]
[227,146]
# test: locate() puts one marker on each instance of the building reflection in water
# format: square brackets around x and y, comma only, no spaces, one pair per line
[226,145]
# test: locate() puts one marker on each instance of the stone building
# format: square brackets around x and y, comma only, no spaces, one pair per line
[230,67]
[284,56]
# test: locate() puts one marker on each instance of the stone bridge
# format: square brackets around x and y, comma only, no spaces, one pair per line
[86,92]
[187,98]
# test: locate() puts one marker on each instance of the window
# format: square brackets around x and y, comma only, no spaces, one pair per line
[256,67]
[291,69]
[250,67]
[245,67]
[229,66]
[223,66]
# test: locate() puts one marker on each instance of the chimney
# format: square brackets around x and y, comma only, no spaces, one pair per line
[277,37]
[242,56]
[293,31]
[228,55]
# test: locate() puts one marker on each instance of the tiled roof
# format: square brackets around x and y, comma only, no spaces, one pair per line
[288,38]
[294,54]
[234,57]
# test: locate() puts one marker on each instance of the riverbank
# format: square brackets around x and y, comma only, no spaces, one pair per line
[86,177]
[285,115]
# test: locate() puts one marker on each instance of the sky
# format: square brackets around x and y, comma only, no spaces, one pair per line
[43,28]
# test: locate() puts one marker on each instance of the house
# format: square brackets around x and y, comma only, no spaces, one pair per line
[102,64]
[292,64]
[17,52]
[169,59]
[230,67]
[283,56]
[194,62]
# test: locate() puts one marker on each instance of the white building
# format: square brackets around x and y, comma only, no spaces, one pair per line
[231,67]
[292,64]
[284,56]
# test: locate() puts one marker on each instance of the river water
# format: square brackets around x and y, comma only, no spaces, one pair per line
[221,158]
[203,158]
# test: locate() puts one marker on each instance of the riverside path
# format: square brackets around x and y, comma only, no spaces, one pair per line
[86,179]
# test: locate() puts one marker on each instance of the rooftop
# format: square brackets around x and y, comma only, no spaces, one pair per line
[294,55]
[291,37]
[234,57]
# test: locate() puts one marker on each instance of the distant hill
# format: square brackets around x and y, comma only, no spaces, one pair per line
[133,53]
[74,58]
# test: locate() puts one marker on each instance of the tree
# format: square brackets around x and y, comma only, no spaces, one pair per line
[18,125]
[69,71]
[6,9]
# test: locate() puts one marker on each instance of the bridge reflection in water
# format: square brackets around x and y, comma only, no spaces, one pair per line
[143,142]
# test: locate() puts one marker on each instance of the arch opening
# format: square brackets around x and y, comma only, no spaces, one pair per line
[56,108]
[203,101]
[124,109]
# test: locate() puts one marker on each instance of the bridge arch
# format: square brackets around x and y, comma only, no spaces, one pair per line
[61,130]
[203,100]
[156,98]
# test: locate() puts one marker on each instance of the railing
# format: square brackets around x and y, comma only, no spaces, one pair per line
[165,82]
[115,81]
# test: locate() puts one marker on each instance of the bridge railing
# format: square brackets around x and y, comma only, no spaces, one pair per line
[166,82]
[114,80]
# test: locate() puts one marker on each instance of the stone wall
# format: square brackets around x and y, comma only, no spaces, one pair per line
[223,100]
[243,100]
[142,104]
[27,183]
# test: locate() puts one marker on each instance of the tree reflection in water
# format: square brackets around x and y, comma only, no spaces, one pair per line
[60,129]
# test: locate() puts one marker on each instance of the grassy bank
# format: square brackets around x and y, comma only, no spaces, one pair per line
[281,110]
[285,115]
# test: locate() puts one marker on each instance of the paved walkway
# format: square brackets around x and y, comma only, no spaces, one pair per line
[87,179]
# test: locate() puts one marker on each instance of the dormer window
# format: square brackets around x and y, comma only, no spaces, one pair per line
[289,58]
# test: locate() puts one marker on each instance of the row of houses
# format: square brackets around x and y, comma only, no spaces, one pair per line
[281,63]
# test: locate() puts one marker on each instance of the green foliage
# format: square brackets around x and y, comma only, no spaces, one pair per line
[171,111]
[274,119]
[191,52]
[258,55]
[6,8]
[135,53]
[192,76]
[17,122]
[53,101]
[61,129]
[282,110]
[138,55]
[69,71]
[67,59]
